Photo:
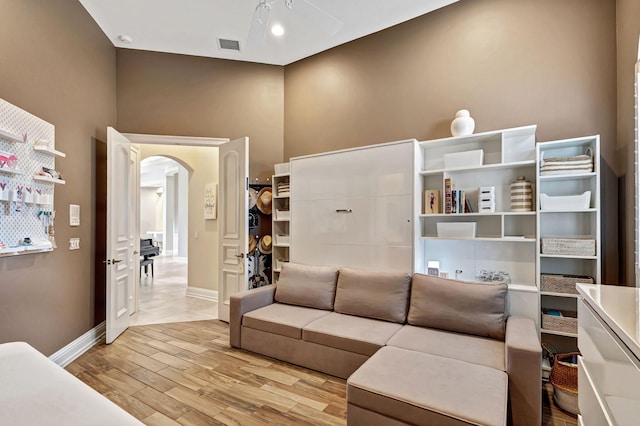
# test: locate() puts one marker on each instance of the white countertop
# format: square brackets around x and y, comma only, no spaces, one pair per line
[619,307]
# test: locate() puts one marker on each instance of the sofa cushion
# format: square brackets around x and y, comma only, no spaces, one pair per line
[304,285]
[379,295]
[424,389]
[350,333]
[285,320]
[474,349]
[471,308]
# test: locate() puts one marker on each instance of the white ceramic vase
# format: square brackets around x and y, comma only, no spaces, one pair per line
[463,124]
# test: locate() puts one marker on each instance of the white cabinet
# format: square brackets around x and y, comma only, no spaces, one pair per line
[570,225]
[354,208]
[281,226]
[609,366]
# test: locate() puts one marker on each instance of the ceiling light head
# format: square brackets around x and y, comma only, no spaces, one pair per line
[277,30]
[125,39]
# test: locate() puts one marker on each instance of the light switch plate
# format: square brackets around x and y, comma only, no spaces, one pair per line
[74,243]
[74,215]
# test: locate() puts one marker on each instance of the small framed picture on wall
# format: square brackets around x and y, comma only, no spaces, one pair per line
[210,201]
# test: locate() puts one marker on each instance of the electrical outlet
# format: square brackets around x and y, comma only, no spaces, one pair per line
[74,243]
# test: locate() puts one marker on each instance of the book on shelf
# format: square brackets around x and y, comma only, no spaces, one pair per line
[431,201]
[448,201]
[459,201]
[467,206]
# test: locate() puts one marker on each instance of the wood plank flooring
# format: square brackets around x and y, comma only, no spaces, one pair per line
[187,374]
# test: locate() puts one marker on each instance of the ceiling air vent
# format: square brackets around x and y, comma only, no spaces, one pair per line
[226,44]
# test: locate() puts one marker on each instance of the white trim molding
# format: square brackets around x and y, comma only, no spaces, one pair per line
[174,140]
[73,350]
[202,293]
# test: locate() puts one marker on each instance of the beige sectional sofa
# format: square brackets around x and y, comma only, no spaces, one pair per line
[421,350]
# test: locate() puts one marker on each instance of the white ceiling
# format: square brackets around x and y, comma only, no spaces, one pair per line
[154,170]
[192,26]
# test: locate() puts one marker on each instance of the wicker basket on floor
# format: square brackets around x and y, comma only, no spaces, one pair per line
[564,379]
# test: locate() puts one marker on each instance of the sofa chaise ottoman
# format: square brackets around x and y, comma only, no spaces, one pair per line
[346,322]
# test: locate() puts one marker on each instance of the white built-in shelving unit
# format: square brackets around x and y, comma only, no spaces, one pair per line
[568,222]
[281,229]
[504,241]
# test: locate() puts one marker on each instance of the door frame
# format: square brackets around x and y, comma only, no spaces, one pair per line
[147,139]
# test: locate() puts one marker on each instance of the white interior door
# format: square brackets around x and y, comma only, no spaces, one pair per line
[123,240]
[234,222]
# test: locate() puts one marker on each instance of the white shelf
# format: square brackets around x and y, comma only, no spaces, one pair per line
[495,239]
[554,294]
[282,245]
[281,175]
[281,196]
[22,250]
[282,220]
[567,256]
[49,179]
[488,167]
[10,136]
[523,287]
[477,214]
[11,171]
[544,178]
[49,151]
[558,333]
[592,210]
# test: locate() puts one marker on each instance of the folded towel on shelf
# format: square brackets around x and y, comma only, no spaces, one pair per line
[565,159]
[566,165]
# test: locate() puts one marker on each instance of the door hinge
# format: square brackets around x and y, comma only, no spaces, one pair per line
[247,184]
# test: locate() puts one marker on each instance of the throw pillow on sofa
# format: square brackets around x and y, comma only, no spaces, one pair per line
[379,295]
[305,285]
[471,308]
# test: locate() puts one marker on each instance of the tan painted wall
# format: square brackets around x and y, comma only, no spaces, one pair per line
[162,93]
[203,251]
[628,13]
[511,63]
[58,65]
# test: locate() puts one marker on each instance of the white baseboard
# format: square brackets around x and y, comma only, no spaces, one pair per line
[73,350]
[202,293]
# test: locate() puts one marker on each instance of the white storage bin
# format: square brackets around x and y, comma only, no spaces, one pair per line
[565,202]
[283,214]
[281,168]
[456,229]
[456,160]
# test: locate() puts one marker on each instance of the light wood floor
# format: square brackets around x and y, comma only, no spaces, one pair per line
[186,373]
[163,296]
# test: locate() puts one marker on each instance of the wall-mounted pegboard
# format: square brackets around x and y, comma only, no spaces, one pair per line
[27,181]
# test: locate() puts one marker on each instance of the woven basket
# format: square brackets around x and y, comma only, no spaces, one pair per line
[567,323]
[558,283]
[564,379]
[569,246]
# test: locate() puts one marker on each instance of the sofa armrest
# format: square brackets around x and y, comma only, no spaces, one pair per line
[243,302]
[523,362]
